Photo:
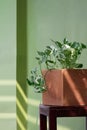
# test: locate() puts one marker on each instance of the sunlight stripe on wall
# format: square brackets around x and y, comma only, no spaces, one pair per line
[7,98]
[33,102]
[32,119]
[21,92]
[20,124]
[7,116]
[7,82]
[22,109]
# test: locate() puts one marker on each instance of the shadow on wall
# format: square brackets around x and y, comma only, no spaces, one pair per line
[21,90]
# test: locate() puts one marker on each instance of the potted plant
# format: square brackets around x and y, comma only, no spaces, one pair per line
[62,82]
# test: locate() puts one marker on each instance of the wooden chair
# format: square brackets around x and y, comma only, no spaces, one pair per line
[53,112]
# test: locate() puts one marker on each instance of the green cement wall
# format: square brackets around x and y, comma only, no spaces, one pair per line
[53,19]
[7,64]
[38,21]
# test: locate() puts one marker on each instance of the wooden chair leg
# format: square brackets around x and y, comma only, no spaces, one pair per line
[86,123]
[52,122]
[43,122]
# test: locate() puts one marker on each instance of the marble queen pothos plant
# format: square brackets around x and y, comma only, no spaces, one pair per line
[59,55]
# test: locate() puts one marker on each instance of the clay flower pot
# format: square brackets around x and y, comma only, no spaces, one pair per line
[66,87]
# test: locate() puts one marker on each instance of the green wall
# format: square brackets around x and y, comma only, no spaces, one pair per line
[8,64]
[54,19]
[21,70]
